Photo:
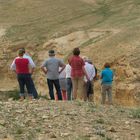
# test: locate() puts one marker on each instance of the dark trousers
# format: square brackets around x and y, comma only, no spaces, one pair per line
[69,88]
[55,83]
[25,79]
[34,91]
[89,88]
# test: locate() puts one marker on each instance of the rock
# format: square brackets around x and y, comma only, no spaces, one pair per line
[2,122]
[112,129]
[45,117]
[137,121]
[52,135]
[127,122]
[64,134]
[10,99]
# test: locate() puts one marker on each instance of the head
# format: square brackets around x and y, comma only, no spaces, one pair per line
[20,52]
[107,65]
[51,53]
[76,51]
[23,49]
[89,61]
[85,58]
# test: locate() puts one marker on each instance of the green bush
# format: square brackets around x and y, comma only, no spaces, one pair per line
[136,113]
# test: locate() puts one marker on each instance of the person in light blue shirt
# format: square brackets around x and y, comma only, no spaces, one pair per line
[106,83]
[26,55]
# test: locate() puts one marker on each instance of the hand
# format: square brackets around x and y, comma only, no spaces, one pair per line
[88,79]
[45,71]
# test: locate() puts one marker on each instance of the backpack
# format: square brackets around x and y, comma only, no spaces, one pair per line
[96,73]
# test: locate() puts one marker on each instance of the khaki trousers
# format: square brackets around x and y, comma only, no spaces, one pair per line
[78,87]
[106,90]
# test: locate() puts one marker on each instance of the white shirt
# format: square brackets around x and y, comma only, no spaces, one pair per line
[90,71]
[68,71]
[62,74]
[30,60]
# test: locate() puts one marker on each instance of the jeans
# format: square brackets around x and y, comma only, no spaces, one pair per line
[69,88]
[25,79]
[34,91]
[57,87]
[106,90]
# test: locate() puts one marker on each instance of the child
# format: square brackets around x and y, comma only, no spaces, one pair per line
[106,84]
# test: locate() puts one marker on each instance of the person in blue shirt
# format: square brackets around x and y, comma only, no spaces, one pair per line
[106,83]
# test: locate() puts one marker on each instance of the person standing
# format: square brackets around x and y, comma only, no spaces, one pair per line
[106,83]
[77,73]
[89,83]
[68,82]
[62,82]
[51,68]
[21,66]
[26,55]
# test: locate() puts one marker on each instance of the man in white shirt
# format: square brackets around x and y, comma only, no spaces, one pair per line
[89,83]
[26,55]
[68,82]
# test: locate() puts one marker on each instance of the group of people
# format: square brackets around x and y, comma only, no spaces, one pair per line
[71,81]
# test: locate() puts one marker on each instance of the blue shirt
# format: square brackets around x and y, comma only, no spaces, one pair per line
[107,76]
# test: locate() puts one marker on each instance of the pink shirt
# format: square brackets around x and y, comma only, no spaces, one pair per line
[76,63]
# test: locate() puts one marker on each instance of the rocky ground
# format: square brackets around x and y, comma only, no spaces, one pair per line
[105,31]
[45,120]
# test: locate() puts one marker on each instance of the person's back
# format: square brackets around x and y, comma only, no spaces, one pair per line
[52,64]
[90,70]
[62,74]
[106,84]
[76,63]
[68,82]
[22,65]
[77,73]
[107,76]
[68,71]
[51,68]
[32,67]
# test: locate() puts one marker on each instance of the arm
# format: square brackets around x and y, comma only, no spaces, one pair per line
[44,69]
[32,70]
[83,68]
[62,65]
[101,75]
[62,68]
[93,73]
[13,66]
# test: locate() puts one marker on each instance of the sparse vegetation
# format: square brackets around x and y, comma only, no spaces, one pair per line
[10,94]
[38,21]
[101,121]
[135,113]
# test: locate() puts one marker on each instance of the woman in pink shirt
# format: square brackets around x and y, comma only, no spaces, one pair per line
[77,73]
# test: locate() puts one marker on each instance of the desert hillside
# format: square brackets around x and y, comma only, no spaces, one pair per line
[105,30]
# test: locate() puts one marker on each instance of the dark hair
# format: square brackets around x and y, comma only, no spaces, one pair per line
[76,51]
[23,50]
[107,65]
[51,53]
[20,52]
